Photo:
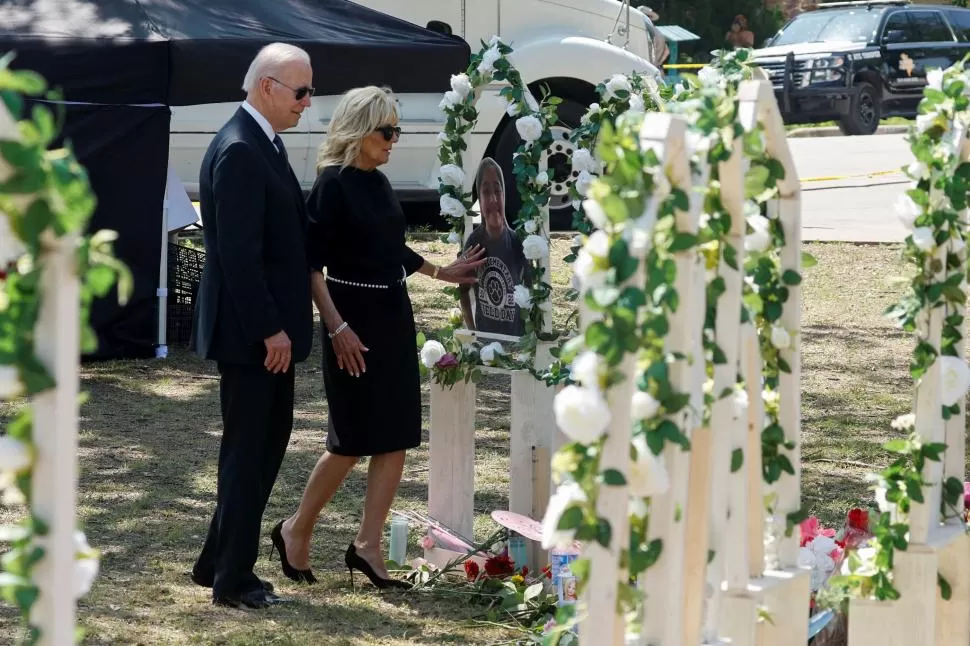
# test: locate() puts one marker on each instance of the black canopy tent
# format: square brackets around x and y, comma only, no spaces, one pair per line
[120,64]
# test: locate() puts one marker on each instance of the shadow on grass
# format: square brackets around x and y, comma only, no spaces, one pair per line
[148,454]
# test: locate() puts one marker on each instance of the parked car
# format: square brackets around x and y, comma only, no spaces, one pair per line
[858,62]
[565,46]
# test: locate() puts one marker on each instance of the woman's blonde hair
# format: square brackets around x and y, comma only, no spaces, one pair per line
[359,112]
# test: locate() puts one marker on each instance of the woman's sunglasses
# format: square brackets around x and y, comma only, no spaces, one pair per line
[388,132]
[298,92]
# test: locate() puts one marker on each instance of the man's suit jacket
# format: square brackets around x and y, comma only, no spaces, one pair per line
[256,280]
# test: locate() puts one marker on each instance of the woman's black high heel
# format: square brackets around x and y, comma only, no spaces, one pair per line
[300,576]
[355,562]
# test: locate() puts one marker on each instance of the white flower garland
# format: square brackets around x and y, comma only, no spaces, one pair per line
[533,122]
[68,203]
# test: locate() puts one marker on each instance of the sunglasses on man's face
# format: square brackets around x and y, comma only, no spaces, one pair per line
[389,132]
[298,92]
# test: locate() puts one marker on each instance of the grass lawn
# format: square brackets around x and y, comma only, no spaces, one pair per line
[150,434]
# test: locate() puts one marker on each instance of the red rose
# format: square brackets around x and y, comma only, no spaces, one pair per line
[499,566]
[447,361]
[547,571]
[471,570]
[525,570]
[859,519]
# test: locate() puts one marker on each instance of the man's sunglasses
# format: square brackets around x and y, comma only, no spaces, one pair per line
[388,132]
[298,92]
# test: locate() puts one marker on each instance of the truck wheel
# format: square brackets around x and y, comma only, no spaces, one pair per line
[864,113]
[558,159]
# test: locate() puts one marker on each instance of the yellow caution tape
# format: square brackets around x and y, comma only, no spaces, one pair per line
[684,66]
[838,178]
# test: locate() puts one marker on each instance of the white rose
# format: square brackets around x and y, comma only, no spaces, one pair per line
[450,100]
[566,496]
[452,175]
[14,455]
[594,109]
[918,170]
[780,338]
[586,273]
[905,422]
[442,137]
[10,384]
[925,121]
[529,128]
[583,161]
[648,475]
[934,79]
[489,58]
[637,507]
[908,210]
[535,247]
[586,368]
[462,85]
[644,406]
[530,226]
[491,351]
[758,242]
[454,238]
[495,40]
[583,182]
[452,207]
[740,402]
[542,178]
[431,353]
[512,108]
[709,77]
[618,83]
[636,104]
[760,239]
[823,546]
[923,238]
[523,357]
[955,379]
[638,237]
[595,214]
[85,567]
[522,297]
[598,244]
[10,246]
[581,413]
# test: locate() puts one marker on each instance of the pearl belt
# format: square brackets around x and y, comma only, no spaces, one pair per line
[352,283]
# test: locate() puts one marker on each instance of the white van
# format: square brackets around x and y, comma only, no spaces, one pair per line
[567,46]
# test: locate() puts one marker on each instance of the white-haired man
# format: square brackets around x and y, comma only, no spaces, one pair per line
[253,315]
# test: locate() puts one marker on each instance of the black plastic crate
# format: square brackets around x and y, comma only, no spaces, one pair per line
[184,273]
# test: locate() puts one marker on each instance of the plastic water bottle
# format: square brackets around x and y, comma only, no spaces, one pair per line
[399,539]
[517,551]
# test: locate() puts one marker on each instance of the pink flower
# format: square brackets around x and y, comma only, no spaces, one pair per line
[427,542]
[447,361]
[966,495]
[811,528]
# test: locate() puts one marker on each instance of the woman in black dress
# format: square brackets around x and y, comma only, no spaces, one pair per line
[370,369]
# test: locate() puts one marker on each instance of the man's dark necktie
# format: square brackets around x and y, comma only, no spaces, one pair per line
[278,141]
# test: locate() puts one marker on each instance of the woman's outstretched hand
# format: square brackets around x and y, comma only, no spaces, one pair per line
[463,270]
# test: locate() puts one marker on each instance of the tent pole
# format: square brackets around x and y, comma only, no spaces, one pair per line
[161,352]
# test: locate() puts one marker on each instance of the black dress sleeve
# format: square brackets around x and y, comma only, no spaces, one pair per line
[324,205]
[412,260]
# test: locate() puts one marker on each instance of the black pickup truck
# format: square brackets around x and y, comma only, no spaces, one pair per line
[857,62]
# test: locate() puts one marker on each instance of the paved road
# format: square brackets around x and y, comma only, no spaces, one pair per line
[859,209]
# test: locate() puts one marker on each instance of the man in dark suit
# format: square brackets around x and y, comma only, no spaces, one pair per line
[253,314]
